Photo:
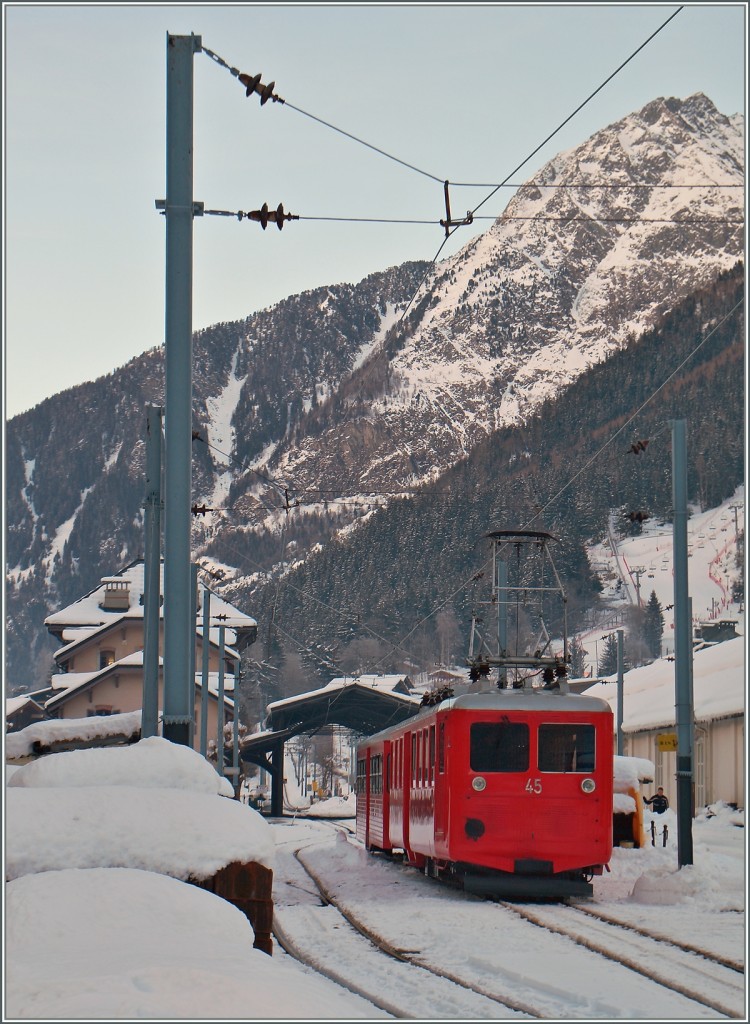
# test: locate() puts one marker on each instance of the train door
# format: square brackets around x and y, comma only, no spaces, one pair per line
[442,790]
[363,797]
[574,813]
[409,774]
[396,796]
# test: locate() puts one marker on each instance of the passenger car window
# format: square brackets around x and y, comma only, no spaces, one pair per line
[566,748]
[499,747]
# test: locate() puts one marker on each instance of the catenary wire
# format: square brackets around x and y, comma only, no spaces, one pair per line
[578,108]
[534,152]
[638,410]
[369,145]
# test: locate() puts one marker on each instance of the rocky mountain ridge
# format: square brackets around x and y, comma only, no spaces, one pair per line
[334,399]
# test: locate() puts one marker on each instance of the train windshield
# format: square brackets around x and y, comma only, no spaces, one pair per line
[566,748]
[499,747]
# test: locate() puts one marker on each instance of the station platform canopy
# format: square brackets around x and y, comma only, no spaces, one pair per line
[365,704]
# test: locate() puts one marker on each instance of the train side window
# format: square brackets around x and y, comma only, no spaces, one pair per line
[390,770]
[499,747]
[431,759]
[566,748]
[441,748]
[360,777]
[376,774]
[413,759]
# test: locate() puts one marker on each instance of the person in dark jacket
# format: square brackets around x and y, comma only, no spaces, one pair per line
[659,803]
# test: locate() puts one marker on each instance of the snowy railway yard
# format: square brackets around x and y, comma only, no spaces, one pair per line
[102,923]
[652,943]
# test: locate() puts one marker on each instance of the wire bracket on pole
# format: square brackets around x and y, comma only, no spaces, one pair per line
[288,504]
[449,223]
[161,206]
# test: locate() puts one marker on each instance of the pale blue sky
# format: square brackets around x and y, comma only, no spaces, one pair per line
[464,92]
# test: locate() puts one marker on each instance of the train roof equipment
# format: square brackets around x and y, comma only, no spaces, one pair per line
[526,594]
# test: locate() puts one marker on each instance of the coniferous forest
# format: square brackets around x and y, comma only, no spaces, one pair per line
[397,592]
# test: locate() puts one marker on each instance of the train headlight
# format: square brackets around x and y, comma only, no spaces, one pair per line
[588,785]
[478,783]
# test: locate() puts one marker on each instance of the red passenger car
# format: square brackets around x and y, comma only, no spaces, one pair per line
[508,792]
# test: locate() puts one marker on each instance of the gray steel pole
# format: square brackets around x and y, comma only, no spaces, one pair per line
[683,647]
[620,688]
[204,668]
[220,708]
[236,742]
[502,618]
[151,574]
[193,620]
[178,629]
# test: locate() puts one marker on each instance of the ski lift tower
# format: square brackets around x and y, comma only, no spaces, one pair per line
[512,635]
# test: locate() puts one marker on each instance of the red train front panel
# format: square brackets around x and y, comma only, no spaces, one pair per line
[526,788]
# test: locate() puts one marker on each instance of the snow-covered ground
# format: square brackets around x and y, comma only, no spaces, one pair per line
[100,925]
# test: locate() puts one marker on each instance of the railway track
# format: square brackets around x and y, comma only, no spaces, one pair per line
[689,947]
[333,943]
[369,965]
[454,958]
[710,980]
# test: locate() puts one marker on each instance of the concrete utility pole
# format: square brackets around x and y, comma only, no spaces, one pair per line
[220,706]
[683,647]
[204,668]
[620,688]
[179,630]
[151,574]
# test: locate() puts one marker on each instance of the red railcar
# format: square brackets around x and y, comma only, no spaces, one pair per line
[508,791]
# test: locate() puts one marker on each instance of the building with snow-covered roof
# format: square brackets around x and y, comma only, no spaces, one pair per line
[22,711]
[718,713]
[99,667]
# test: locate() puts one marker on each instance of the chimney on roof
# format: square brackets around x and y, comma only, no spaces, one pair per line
[116,594]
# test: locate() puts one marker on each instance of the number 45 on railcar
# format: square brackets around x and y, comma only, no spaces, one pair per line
[506,791]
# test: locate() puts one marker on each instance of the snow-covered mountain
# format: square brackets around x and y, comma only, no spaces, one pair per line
[594,249]
[336,394]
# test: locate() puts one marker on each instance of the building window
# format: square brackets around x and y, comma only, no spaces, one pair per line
[106,658]
[102,710]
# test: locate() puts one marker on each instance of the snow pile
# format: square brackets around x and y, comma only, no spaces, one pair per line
[95,927]
[336,807]
[152,806]
[21,743]
[169,831]
[151,762]
[651,875]
[128,945]
[629,772]
[623,803]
